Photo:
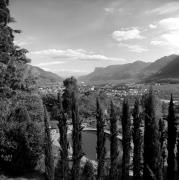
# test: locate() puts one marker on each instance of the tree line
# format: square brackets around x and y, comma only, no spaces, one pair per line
[146,140]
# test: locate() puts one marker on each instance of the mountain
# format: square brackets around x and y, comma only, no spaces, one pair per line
[165,67]
[157,65]
[43,77]
[116,72]
[168,73]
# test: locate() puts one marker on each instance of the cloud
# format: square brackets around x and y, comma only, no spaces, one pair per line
[133,48]
[109,10]
[172,39]
[170,23]
[152,26]
[71,54]
[165,9]
[169,34]
[51,63]
[127,34]
[158,43]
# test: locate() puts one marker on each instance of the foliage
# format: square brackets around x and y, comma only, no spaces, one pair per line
[101,139]
[138,141]
[152,146]
[88,171]
[114,152]
[21,143]
[172,134]
[76,138]
[5,105]
[49,160]
[52,103]
[178,153]
[70,85]
[87,103]
[126,139]
[12,59]
[163,140]
[62,169]
[32,102]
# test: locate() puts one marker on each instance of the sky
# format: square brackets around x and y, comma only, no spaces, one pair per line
[72,37]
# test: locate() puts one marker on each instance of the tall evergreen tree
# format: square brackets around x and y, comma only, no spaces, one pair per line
[12,58]
[172,134]
[70,85]
[62,169]
[101,150]
[152,151]
[49,160]
[162,131]
[114,151]
[138,141]
[76,138]
[126,140]
[178,153]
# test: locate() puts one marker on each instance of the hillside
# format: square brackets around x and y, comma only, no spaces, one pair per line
[157,65]
[165,67]
[43,77]
[116,72]
[169,73]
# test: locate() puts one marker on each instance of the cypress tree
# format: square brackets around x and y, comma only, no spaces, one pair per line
[138,141]
[101,150]
[62,169]
[172,134]
[76,138]
[49,160]
[152,152]
[114,152]
[162,141]
[178,153]
[126,140]
[70,85]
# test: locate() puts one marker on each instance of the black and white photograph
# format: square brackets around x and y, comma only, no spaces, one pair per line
[89,89]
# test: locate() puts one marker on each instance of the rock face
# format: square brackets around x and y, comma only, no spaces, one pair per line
[163,68]
[116,72]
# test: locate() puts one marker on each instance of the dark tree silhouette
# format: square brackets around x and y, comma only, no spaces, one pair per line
[49,160]
[76,138]
[70,85]
[138,141]
[62,169]
[172,134]
[101,150]
[126,140]
[114,152]
[152,150]
[178,153]
[163,138]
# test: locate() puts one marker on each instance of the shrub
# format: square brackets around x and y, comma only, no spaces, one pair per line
[32,102]
[88,171]
[21,144]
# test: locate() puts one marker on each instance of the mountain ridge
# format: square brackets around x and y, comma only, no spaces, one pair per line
[42,77]
[136,71]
